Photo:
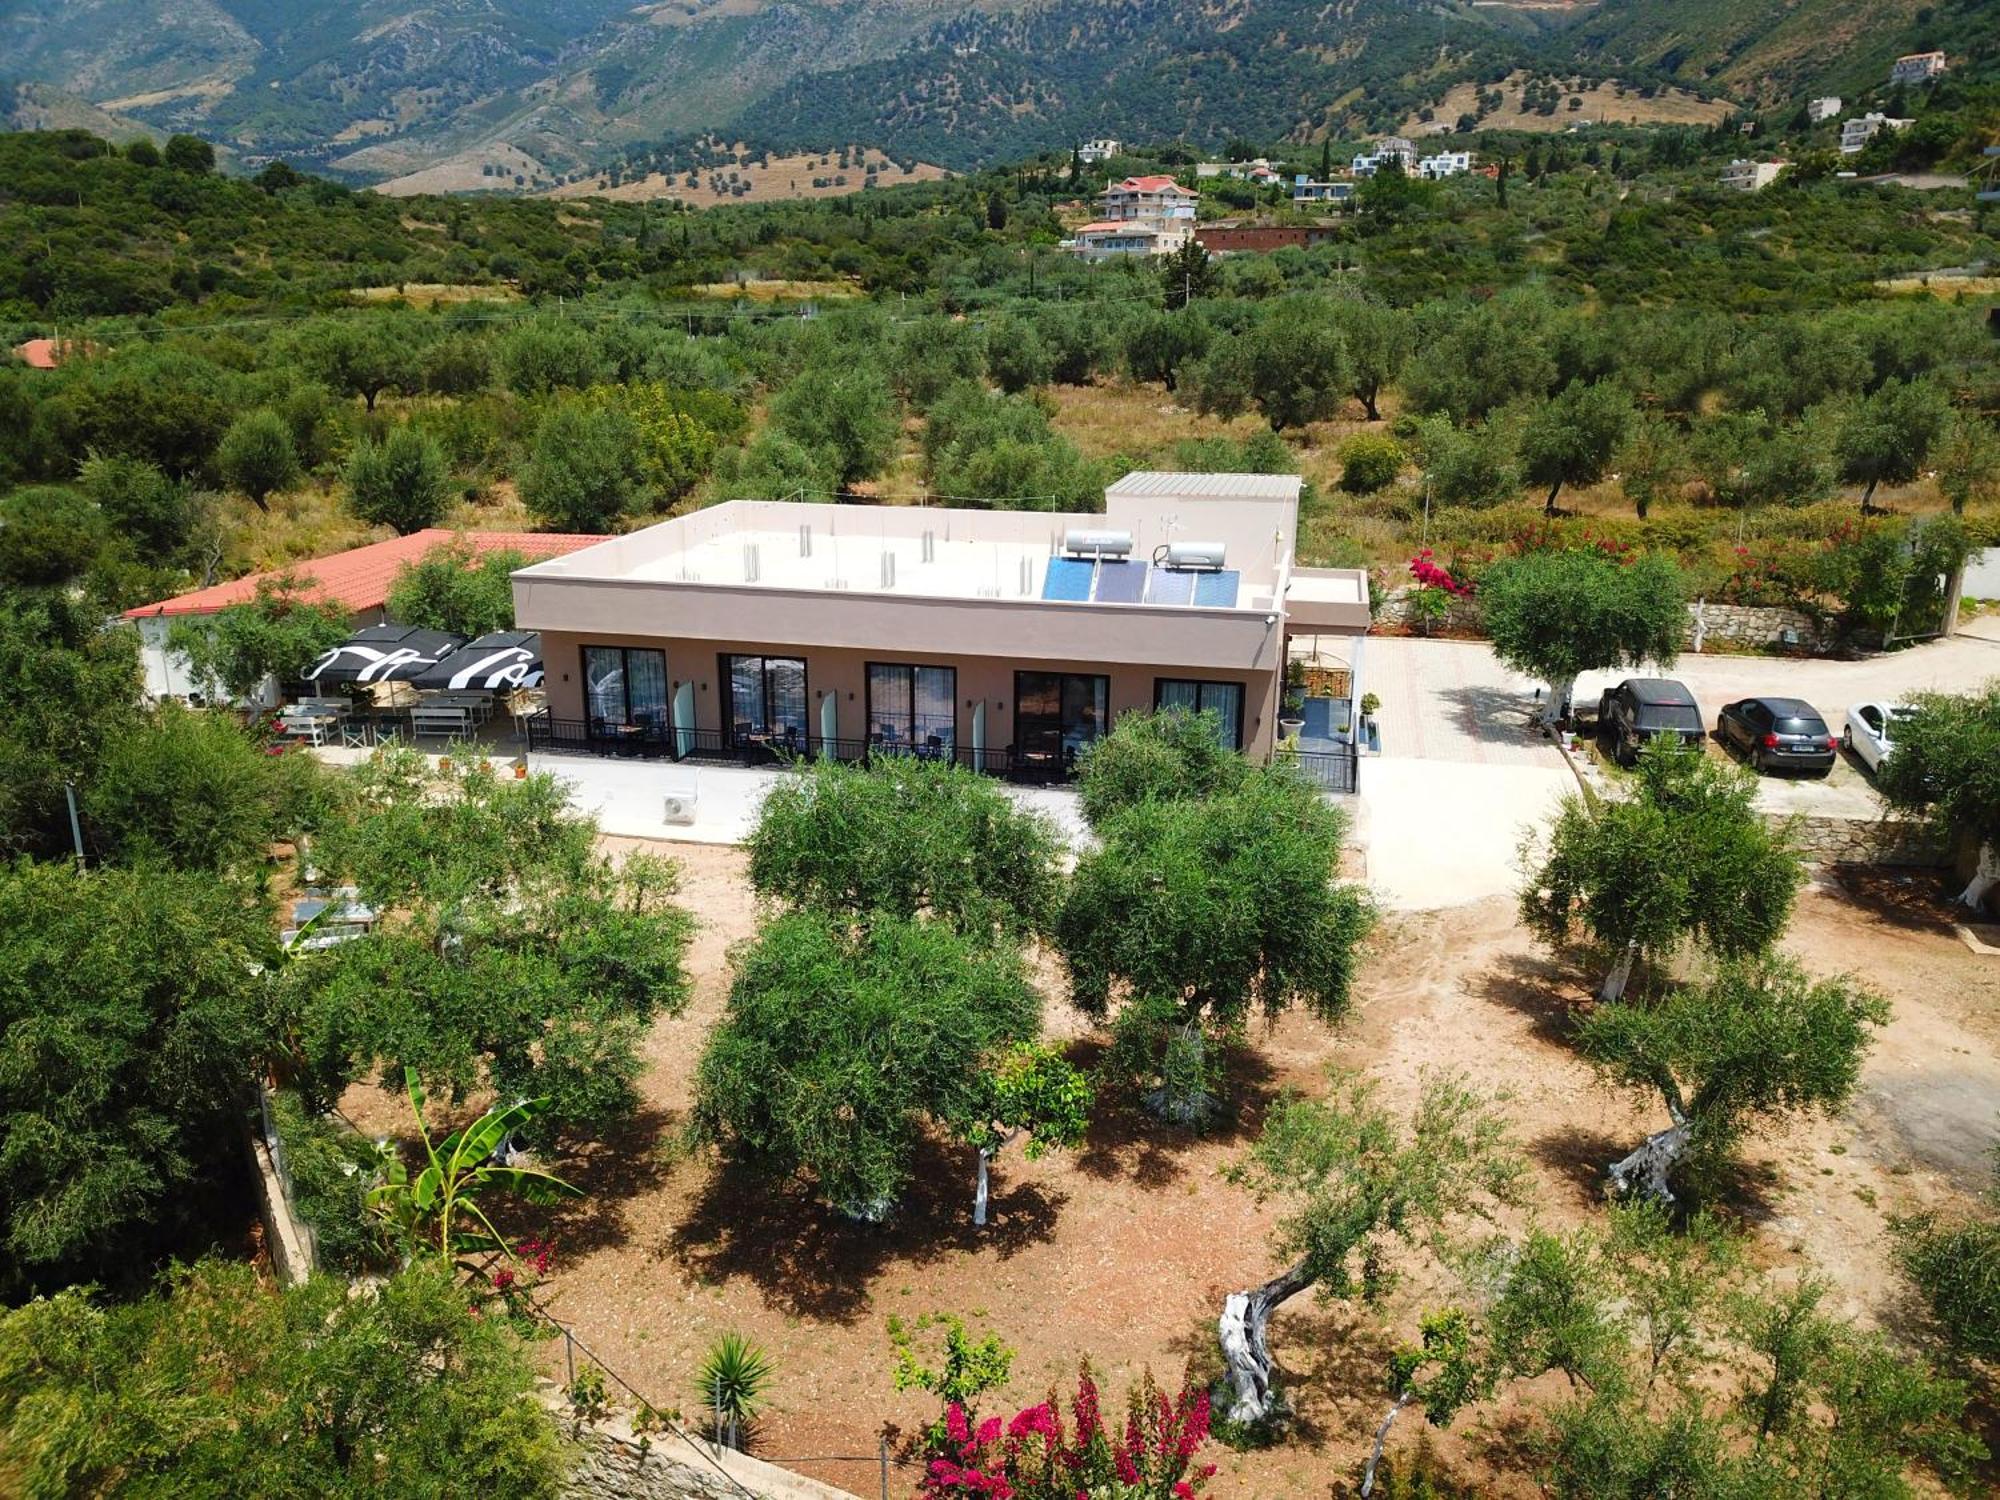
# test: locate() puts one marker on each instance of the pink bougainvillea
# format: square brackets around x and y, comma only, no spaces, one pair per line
[1035,1457]
[1430,574]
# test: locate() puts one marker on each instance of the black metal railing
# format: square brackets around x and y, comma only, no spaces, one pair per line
[551,735]
[1333,769]
[1336,770]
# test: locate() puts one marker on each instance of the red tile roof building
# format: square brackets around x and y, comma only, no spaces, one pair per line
[359,580]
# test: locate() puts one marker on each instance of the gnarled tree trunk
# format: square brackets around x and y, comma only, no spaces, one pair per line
[1175,1101]
[1244,1331]
[1614,984]
[1561,690]
[1647,1168]
[1381,1438]
[1983,879]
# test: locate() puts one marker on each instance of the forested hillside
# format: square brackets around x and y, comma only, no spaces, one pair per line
[383,89]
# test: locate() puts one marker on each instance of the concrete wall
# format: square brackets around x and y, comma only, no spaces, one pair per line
[1747,627]
[1982,572]
[842,672]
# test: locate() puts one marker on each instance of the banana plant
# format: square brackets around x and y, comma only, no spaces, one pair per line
[432,1208]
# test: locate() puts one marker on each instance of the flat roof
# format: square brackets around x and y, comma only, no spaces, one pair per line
[979,554]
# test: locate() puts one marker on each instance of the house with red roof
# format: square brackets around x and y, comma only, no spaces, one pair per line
[46,354]
[1140,216]
[357,580]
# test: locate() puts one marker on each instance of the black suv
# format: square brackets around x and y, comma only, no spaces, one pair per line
[1642,708]
[1778,734]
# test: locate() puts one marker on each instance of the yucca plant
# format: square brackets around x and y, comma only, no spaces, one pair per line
[429,1209]
[733,1380]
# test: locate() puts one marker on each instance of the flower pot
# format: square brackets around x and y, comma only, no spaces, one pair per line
[1291,729]
[520,770]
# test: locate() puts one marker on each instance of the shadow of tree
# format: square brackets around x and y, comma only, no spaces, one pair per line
[1915,900]
[1493,716]
[612,1171]
[1125,1141]
[774,1230]
[1580,1155]
[1539,989]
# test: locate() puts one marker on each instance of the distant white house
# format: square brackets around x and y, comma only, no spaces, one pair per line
[1445,164]
[1917,67]
[1307,190]
[1859,131]
[1259,171]
[1752,176]
[1092,152]
[1370,162]
[1819,110]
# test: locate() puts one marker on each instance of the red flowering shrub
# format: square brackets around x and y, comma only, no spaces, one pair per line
[1429,574]
[1036,1457]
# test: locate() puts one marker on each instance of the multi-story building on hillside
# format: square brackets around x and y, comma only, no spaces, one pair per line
[1152,199]
[1445,164]
[1820,110]
[1151,215]
[1751,176]
[1917,67]
[1859,131]
[1390,146]
[1090,153]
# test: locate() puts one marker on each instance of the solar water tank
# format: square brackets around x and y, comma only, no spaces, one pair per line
[1195,555]
[1080,542]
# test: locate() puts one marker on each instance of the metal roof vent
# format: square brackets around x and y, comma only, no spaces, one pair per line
[805,540]
[930,546]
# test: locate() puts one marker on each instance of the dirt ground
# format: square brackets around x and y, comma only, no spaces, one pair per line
[1124,1250]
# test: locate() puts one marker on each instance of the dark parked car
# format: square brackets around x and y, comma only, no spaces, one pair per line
[1641,708]
[1778,734]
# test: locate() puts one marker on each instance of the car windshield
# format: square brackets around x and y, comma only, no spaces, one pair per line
[1901,715]
[1801,726]
[1669,716]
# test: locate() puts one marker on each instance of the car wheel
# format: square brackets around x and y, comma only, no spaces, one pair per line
[1847,740]
[1757,761]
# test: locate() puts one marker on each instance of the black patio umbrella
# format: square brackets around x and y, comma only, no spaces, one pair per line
[498,661]
[382,653]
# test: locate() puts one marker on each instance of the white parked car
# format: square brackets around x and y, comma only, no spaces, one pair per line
[1871,731]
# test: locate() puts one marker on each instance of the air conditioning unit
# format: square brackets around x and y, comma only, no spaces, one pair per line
[1078,542]
[1195,555]
[680,808]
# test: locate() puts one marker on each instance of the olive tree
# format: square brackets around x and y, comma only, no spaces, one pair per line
[509,954]
[1947,768]
[134,1015]
[1354,1184]
[1377,337]
[457,588]
[257,456]
[217,1384]
[1298,367]
[1687,857]
[1967,456]
[1953,1260]
[1156,757]
[841,1046]
[1888,435]
[399,482]
[1191,911]
[1749,1043]
[1555,615]
[849,413]
[909,838]
[1572,437]
[279,632]
[583,471]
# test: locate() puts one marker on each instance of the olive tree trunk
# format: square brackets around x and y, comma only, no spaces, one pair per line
[1983,879]
[1244,1332]
[1646,1170]
[980,1191]
[1182,1097]
[1613,988]
[1556,709]
[1381,1438]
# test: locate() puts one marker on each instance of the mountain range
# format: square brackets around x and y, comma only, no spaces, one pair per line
[549,90]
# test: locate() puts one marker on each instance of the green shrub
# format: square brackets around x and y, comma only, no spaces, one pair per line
[1369,462]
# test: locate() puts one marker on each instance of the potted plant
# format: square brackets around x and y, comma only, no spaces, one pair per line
[1369,706]
[1292,702]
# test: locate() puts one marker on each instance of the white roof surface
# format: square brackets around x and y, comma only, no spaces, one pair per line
[1208,486]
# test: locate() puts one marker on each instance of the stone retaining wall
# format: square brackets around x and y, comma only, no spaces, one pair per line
[1710,626]
[1868,841]
[616,1464]
[1748,627]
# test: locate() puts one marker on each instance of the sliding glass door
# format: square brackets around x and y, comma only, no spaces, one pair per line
[625,691]
[1057,715]
[912,708]
[767,702]
[1223,699]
